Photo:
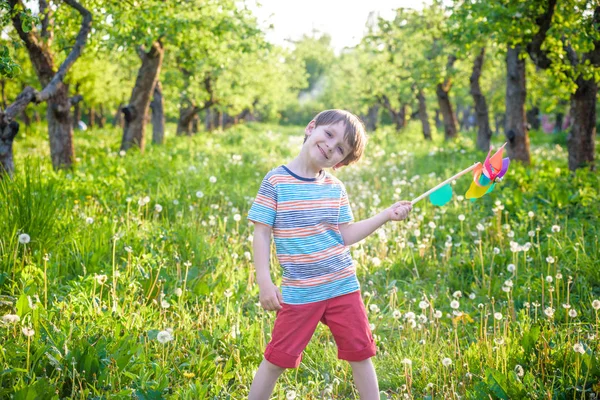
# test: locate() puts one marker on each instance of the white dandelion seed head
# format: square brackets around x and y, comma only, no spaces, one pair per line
[423,304]
[461,217]
[24,238]
[29,332]
[511,268]
[555,228]
[446,362]
[549,311]
[454,304]
[199,194]
[237,217]
[10,318]
[596,305]
[519,371]
[572,313]
[549,279]
[212,179]
[578,348]
[164,337]
[158,208]
[406,361]
[290,395]
[396,314]
[498,316]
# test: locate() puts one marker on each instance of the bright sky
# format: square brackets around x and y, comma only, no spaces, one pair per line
[343,22]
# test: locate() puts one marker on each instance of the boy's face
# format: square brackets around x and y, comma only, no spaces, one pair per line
[326,144]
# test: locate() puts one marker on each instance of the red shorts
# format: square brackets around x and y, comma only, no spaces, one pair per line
[345,316]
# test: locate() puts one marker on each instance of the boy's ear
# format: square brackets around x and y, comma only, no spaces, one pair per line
[310,127]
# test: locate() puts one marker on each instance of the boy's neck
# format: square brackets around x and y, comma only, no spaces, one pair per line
[300,166]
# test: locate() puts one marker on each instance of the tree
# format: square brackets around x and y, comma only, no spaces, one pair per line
[567,43]
[55,92]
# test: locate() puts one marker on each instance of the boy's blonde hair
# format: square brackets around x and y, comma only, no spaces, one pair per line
[354,132]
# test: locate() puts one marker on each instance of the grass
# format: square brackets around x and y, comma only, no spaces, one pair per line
[138,277]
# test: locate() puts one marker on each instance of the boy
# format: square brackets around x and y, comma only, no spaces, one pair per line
[308,213]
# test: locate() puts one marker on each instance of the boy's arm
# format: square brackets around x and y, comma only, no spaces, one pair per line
[353,233]
[270,296]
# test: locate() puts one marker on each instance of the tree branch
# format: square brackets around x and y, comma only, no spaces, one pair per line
[86,26]
[534,47]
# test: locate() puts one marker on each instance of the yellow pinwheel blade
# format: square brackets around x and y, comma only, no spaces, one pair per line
[476,191]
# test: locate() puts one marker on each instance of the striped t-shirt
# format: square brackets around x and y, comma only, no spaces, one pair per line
[305,214]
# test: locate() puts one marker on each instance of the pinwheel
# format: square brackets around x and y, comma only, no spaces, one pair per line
[485,177]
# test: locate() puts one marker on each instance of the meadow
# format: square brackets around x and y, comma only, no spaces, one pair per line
[131,275]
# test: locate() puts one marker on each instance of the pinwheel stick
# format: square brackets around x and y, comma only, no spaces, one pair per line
[461,173]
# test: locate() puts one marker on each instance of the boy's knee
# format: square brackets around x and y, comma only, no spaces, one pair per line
[272,368]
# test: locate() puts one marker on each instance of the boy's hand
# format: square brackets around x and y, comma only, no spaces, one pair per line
[270,297]
[399,211]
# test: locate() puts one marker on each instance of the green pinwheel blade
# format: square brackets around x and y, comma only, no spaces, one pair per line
[441,196]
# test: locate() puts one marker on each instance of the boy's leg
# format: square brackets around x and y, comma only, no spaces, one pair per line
[264,381]
[365,379]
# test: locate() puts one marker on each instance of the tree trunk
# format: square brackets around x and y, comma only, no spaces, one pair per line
[158,115]
[581,138]
[136,111]
[533,118]
[446,110]
[7,135]
[442,92]
[195,124]
[484,133]
[118,118]
[516,124]
[101,117]
[4,101]
[423,115]
[60,129]
[371,119]
[559,122]
[92,117]
[186,116]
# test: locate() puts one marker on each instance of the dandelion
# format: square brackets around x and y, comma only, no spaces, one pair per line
[461,217]
[549,279]
[457,294]
[89,220]
[199,194]
[237,217]
[530,214]
[101,279]
[496,250]
[572,313]
[376,261]
[472,296]
[396,314]
[164,337]
[432,225]
[555,228]
[372,327]
[511,268]
[506,289]
[446,362]
[158,208]
[406,361]
[531,233]
[559,275]
[10,318]
[28,331]
[455,304]
[212,179]
[374,308]
[498,316]
[519,371]
[290,395]
[176,202]
[578,348]
[596,305]
[228,293]
[165,304]
[437,314]
[409,315]
[549,311]
[480,227]
[178,292]
[128,249]
[24,238]
[550,260]
[423,304]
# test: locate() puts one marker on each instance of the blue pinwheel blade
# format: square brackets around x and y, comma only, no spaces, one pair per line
[441,196]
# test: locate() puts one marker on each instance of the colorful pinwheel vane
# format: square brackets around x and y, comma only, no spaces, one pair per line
[485,177]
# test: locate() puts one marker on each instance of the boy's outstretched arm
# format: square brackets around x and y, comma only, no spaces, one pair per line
[270,296]
[353,233]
